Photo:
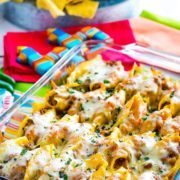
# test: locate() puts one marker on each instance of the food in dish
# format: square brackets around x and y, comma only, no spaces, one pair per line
[102,122]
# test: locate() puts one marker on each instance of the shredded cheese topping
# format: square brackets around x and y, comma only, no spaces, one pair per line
[102,123]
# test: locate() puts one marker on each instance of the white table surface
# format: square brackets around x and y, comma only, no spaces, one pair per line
[167,8]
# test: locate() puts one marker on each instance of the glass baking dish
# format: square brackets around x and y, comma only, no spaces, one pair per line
[128,55]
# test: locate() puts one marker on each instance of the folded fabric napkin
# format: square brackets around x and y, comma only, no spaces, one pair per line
[23,87]
[161,19]
[11,41]
[120,31]
[156,35]
[11,131]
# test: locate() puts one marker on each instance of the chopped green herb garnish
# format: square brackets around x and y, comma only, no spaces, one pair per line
[109,153]
[97,131]
[50,175]
[144,118]
[146,158]
[76,165]
[172,94]
[88,169]
[130,133]
[106,81]
[63,113]
[151,109]
[53,121]
[96,73]
[69,161]
[93,141]
[71,91]
[89,155]
[156,132]
[24,151]
[64,140]
[109,92]
[88,79]
[161,171]
[87,119]
[63,175]
[118,109]
[81,107]
[114,121]
[79,81]
[107,134]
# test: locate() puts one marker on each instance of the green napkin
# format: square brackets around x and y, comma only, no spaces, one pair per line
[163,20]
[23,87]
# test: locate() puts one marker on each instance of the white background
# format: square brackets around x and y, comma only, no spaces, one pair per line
[166,8]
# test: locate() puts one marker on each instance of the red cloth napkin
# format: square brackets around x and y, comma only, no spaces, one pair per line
[120,31]
[126,60]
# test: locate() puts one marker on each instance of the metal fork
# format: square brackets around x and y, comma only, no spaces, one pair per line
[153,57]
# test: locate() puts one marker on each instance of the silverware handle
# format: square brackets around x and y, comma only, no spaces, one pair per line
[154,58]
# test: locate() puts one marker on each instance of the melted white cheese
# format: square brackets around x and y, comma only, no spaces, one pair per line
[17,161]
[143,83]
[9,149]
[146,142]
[41,123]
[148,175]
[68,128]
[99,71]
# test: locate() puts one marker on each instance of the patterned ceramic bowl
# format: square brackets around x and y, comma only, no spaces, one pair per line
[29,17]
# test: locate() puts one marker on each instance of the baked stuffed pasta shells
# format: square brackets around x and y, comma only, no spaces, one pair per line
[42,156]
[122,173]
[100,123]
[14,157]
[98,105]
[130,118]
[151,84]
[163,159]
[171,100]
[140,80]
[66,129]
[11,148]
[96,73]
[35,126]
